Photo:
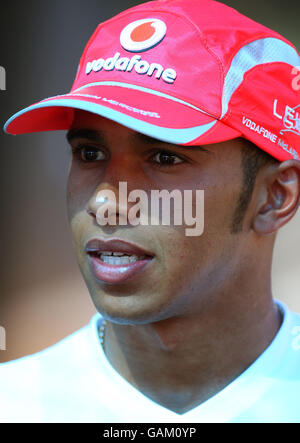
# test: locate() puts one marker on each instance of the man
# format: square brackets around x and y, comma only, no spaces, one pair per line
[182,95]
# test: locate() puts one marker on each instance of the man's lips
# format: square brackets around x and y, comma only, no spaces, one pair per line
[115,245]
[99,250]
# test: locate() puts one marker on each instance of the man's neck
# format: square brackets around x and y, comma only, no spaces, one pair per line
[183,361]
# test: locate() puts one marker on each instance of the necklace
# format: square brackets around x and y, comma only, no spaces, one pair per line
[101,333]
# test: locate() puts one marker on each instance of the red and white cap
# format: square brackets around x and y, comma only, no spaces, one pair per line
[189,72]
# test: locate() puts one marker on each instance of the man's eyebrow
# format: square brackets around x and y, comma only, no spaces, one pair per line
[98,137]
[89,134]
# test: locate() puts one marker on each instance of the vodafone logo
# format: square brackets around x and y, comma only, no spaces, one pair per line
[142,35]
[138,36]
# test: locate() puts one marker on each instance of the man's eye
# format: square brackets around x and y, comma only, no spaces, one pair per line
[90,154]
[166,159]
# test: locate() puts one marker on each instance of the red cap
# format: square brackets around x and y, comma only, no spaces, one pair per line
[189,72]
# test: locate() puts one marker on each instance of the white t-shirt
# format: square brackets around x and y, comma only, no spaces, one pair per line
[73,381]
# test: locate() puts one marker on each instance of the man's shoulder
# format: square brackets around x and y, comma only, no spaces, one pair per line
[47,384]
[286,343]
[291,328]
[52,361]
[273,381]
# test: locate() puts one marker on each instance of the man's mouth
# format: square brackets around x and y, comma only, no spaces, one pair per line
[115,260]
[119,258]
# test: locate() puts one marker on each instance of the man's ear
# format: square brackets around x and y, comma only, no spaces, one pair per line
[278,198]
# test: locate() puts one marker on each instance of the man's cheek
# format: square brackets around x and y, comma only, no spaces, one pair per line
[78,195]
[218,211]
[180,251]
[78,229]
[74,204]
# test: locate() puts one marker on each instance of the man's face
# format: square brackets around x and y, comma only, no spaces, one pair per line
[183,273]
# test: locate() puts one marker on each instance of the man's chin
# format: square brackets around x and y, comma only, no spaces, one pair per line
[132,309]
[135,301]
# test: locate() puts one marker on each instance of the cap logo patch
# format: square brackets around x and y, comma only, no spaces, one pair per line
[142,35]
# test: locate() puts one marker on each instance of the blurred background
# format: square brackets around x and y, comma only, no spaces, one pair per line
[42,296]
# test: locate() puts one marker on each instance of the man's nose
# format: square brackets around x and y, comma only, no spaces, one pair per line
[107,206]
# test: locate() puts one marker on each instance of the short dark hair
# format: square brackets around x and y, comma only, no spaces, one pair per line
[252,160]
